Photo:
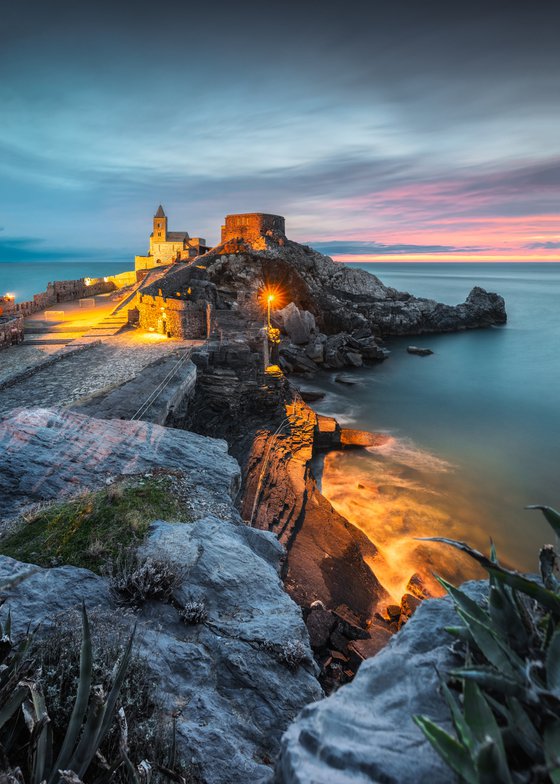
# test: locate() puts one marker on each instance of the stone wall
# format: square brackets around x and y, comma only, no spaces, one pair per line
[11,330]
[67,291]
[175,318]
[252,225]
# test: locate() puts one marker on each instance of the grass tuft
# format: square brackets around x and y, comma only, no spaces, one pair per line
[94,527]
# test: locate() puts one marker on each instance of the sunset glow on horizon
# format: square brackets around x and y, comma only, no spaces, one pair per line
[427,132]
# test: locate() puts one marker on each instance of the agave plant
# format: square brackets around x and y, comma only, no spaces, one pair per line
[507,720]
[25,723]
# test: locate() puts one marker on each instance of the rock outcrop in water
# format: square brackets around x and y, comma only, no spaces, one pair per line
[341,298]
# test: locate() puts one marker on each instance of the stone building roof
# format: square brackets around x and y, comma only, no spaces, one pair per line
[177,236]
[160,213]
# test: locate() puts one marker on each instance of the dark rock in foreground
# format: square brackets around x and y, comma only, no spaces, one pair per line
[365,732]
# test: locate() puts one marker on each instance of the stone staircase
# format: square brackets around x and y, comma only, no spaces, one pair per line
[107,327]
[230,324]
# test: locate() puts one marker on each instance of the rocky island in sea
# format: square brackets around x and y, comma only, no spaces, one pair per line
[171,403]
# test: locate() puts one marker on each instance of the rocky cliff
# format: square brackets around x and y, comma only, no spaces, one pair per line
[342,298]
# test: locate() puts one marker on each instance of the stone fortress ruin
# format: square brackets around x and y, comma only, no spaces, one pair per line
[184,302]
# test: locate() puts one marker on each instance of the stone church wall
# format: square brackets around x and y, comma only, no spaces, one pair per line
[176,318]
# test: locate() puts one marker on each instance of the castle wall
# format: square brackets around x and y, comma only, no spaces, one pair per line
[11,330]
[252,225]
[177,318]
[67,291]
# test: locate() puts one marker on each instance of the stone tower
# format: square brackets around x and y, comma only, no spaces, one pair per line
[160,226]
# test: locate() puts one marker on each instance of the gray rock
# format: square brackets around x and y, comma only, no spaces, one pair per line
[298,324]
[346,299]
[421,352]
[235,695]
[46,454]
[364,732]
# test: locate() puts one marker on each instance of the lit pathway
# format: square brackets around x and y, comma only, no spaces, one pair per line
[81,374]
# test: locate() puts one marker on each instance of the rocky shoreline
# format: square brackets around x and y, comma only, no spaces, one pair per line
[292,603]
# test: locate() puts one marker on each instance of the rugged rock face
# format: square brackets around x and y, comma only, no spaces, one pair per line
[341,298]
[47,454]
[364,732]
[225,675]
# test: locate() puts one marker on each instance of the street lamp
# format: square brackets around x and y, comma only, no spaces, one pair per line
[270,300]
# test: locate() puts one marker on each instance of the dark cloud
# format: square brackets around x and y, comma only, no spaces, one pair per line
[19,249]
[547,245]
[363,248]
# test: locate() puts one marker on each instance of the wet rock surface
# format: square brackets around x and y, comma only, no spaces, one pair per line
[365,732]
[421,352]
[226,676]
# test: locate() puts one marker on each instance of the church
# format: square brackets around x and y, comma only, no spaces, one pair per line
[168,247]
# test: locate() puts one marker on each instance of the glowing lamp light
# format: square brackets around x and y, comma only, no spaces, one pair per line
[105,280]
[87,281]
[9,296]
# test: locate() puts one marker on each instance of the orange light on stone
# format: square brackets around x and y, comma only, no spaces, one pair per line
[272,296]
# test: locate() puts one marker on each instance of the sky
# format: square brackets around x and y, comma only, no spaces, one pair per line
[381,130]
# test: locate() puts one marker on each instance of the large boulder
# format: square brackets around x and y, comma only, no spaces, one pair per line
[298,324]
[228,676]
[364,732]
[47,454]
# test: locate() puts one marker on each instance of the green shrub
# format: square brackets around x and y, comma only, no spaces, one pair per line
[507,719]
[95,526]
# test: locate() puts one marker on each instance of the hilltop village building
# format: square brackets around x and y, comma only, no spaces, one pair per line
[183,302]
[168,247]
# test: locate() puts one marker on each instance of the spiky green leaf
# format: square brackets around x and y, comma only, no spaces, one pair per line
[449,748]
[483,725]
[552,750]
[548,599]
[524,731]
[553,664]
[82,698]
[495,650]
[552,516]
[488,678]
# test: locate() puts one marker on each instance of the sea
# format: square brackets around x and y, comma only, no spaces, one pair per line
[23,279]
[472,432]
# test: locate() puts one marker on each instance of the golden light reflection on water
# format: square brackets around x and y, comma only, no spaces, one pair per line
[395,493]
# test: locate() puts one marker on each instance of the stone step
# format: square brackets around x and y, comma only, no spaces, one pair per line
[48,341]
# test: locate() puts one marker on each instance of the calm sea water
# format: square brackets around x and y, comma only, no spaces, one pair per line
[27,278]
[474,429]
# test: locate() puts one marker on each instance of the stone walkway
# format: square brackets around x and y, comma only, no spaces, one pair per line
[79,375]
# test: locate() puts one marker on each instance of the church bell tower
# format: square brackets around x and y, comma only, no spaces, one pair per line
[160,226]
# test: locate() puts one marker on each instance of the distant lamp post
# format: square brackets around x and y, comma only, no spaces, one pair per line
[272,334]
